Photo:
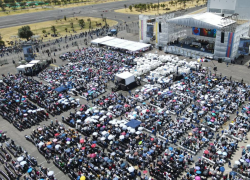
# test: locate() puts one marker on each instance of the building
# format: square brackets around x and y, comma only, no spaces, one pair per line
[229,7]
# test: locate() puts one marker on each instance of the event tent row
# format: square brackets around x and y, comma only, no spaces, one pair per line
[120,43]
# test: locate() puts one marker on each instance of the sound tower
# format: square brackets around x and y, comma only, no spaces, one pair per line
[222,37]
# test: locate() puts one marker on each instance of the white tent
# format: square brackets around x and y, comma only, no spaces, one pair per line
[34,61]
[203,20]
[101,40]
[121,43]
[125,78]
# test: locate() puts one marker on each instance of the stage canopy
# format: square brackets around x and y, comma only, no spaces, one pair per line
[120,43]
[203,20]
[125,78]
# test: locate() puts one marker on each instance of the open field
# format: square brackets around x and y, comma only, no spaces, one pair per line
[9,11]
[154,11]
[9,34]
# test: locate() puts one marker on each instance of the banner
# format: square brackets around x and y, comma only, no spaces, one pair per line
[28,53]
[230,44]
[150,30]
[244,46]
[156,32]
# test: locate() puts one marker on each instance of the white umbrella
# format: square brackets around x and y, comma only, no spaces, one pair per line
[132,130]
[121,125]
[138,132]
[131,169]
[57,146]
[23,163]
[78,121]
[121,137]
[19,159]
[50,173]
[140,128]
[241,160]
[224,153]
[113,153]
[110,137]
[68,142]
[237,162]
[41,144]
[79,113]
[103,138]
[219,152]
[104,132]
[96,111]
[95,133]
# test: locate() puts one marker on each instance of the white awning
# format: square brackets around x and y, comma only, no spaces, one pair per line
[121,43]
[34,61]
[204,20]
[29,65]
[101,40]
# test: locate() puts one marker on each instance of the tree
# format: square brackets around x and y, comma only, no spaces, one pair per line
[44,31]
[148,7]
[66,29]
[72,25]
[130,8]
[89,20]
[81,23]
[2,6]
[13,6]
[32,4]
[22,4]
[25,32]
[65,19]
[197,2]
[53,29]
[125,6]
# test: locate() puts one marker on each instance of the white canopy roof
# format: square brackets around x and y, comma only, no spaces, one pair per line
[204,20]
[124,75]
[120,43]
[34,61]
[21,66]
[29,65]
[101,40]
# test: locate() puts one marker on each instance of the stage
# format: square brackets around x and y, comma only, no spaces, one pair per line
[195,35]
[188,51]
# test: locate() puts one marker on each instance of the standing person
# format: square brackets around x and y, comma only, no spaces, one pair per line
[229,163]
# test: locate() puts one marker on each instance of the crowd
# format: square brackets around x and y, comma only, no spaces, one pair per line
[18,163]
[117,136]
[243,164]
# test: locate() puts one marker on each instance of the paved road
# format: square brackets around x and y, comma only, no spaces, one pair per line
[89,10]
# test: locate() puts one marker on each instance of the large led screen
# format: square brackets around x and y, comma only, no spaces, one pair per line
[204,32]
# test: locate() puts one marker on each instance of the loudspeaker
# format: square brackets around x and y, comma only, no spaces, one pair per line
[159,27]
[219,60]
[215,68]
[222,37]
